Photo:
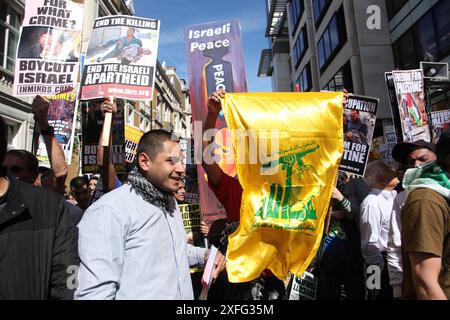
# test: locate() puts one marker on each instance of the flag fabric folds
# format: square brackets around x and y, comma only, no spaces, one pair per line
[287,151]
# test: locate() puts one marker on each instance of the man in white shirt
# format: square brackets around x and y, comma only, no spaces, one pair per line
[374,222]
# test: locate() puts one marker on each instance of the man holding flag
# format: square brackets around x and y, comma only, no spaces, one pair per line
[229,192]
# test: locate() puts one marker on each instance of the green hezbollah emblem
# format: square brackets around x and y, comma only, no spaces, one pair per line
[280,202]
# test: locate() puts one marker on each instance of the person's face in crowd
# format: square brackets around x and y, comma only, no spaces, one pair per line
[130,33]
[82,195]
[390,179]
[18,168]
[354,116]
[420,156]
[181,194]
[166,169]
[92,185]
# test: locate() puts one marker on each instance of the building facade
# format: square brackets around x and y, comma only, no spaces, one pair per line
[169,109]
[420,31]
[336,44]
[16,112]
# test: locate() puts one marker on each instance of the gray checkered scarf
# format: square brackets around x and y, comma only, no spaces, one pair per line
[163,200]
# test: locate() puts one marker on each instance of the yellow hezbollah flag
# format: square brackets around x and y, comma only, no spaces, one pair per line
[287,151]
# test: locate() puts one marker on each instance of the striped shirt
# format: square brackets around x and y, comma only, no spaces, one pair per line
[130,249]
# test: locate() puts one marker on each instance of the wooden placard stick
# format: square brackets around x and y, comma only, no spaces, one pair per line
[107,124]
[330,209]
[106,145]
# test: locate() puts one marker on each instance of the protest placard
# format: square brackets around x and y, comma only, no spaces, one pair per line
[47,59]
[215,61]
[191,215]
[359,123]
[132,136]
[394,105]
[409,88]
[91,125]
[441,122]
[62,117]
[304,287]
[121,58]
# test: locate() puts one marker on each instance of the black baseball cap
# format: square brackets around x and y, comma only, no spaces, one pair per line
[443,145]
[401,150]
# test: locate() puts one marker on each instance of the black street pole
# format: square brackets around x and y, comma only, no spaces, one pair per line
[428,107]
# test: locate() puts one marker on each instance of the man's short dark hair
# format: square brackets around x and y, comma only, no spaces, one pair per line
[93,178]
[3,139]
[152,142]
[30,159]
[78,182]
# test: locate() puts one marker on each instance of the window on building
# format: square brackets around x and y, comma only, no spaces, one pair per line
[427,40]
[394,6]
[295,11]
[145,125]
[303,82]
[167,115]
[342,79]
[300,47]
[10,21]
[332,40]
[102,12]
[320,8]
[159,107]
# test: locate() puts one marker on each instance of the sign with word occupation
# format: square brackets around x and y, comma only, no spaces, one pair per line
[121,58]
[47,59]
[215,61]
[359,123]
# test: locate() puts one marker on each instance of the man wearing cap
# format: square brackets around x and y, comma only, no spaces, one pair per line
[412,154]
[426,227]
[409,155]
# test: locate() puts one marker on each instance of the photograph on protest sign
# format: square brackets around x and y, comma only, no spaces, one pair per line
[121,58]
[62,117]
[409,88]
[132,136]
[91,125]
[359,123]
[49,47]
[215,61]
[440,122]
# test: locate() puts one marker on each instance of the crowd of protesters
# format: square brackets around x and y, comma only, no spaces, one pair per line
[388,236]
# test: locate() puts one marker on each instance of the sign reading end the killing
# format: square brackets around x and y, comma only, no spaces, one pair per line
[121,58]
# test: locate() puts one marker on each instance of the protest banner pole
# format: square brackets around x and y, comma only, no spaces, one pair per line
[327,225]
[106,145]
[107,124]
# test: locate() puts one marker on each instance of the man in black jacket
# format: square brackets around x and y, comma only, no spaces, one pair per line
[38,240]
